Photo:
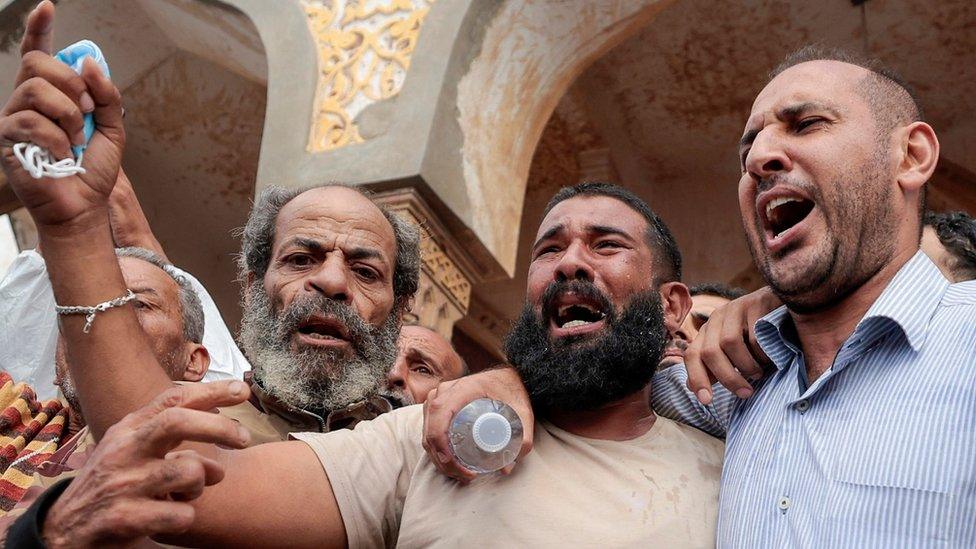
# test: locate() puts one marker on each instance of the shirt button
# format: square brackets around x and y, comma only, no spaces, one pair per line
[802,406]
[783,503]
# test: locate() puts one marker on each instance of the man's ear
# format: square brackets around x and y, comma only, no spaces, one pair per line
[676,300]
[919,156]
[246,292]
[197,363]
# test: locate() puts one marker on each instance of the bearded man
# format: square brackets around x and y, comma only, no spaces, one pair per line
[602,293]
[320,321]
[861,432]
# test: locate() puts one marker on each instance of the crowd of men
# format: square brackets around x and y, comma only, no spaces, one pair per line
[833,407]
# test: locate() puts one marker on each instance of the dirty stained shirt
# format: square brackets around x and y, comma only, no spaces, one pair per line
[659,489]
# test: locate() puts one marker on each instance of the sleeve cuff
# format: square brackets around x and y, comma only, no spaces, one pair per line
[25,532]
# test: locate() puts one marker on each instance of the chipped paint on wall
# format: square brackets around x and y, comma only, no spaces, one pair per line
[364,50]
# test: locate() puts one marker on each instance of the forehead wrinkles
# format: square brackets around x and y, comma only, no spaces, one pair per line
[589,211]
[829,82]
[337,228]
[138,273]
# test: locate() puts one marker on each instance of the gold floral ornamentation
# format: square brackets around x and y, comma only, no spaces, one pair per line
[364,49]
[438,264]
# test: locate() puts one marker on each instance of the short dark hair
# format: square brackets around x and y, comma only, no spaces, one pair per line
[893,101]
[957,232]
[257,239]
[717,289]
[659,237]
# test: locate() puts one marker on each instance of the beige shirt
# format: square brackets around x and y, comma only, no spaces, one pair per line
[270,420]
[660,489]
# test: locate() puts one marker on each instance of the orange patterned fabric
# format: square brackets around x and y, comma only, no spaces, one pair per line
[30,432]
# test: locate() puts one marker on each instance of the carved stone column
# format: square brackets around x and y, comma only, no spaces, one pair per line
[446,273]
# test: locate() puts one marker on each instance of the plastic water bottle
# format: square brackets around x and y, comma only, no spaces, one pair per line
[486,435]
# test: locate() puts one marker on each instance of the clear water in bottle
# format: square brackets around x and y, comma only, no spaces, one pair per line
[486,435]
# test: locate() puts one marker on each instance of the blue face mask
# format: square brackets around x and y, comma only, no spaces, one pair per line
[39,162]
[74,56]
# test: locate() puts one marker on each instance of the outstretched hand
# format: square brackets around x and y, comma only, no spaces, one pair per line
[136,484]
[47,109]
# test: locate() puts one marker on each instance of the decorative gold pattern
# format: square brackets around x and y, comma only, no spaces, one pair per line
[438,265]
[364,49]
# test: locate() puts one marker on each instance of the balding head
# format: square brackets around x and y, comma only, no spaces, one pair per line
[892,100]
[424,360]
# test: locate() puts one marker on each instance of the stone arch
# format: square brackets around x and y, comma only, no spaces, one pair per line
[530,54]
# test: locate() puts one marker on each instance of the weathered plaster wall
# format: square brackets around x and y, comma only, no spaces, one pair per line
[194,136]
[530,54]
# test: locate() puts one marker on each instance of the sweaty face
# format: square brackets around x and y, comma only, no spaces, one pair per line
[593,326]
[424,359]
[321,326]
[816,187]
[157,307]
[702,306]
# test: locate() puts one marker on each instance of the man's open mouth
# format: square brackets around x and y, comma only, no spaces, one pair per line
[323,328]
[782,213]
[570,310]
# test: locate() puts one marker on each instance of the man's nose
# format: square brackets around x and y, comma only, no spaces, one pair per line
[396,378]
[574,264]
[330,279]
[767,156]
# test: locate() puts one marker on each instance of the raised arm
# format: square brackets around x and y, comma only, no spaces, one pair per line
[129,224]
[113,367]
[114,370]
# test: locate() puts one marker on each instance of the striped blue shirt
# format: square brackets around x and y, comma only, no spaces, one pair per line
[880,451]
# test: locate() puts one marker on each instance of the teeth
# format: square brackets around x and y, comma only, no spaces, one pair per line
[564,308]
[575,323]
[777,202]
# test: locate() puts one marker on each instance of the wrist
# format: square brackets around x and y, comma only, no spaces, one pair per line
[38,526]
[91,222]
[49,527]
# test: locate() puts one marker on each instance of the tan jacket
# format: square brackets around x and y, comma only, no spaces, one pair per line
[270,420]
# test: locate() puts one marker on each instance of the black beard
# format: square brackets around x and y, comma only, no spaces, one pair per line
[587,372]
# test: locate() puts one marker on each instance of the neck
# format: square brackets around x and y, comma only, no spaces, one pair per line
[75,423]
[822,333]
[624,419]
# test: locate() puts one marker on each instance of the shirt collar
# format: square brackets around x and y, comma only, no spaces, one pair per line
[909,301]
[342,418]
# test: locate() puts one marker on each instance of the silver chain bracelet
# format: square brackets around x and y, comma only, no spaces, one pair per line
[90,312]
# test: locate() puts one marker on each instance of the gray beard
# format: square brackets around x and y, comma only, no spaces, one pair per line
[313,379]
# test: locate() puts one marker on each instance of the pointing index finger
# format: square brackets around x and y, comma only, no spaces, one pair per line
[39,29]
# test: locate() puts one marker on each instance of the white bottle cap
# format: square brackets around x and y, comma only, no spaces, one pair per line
[491,432]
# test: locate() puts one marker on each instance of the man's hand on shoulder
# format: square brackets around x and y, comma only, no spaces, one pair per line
[502,384]
[135,484]
[726,350]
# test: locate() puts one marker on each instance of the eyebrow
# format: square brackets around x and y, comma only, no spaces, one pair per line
[606,229]
[144,290]
[315,246]
[549,234]
[788,113]
[598,229]
[417,353]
